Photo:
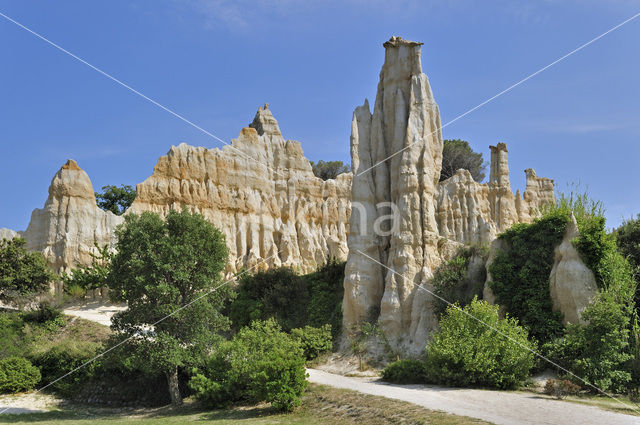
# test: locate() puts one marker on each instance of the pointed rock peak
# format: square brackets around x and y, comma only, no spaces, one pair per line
[265,123]
[396,41]
[71,165]
[72,181]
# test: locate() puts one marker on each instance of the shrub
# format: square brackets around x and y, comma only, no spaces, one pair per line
[520,274]
[560,388]
[326,291]
[62,357]
[17,374]
[276,293]
[260,363]
[43,314]
[599,351]
[314,341]
[467,352]
[406,371]
[294,301]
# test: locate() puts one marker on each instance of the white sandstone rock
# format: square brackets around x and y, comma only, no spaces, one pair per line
[571,283]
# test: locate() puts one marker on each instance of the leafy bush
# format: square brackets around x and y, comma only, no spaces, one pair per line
[86,278]
[326,291]
[406,371]
[22,273]
[17,374]
[474,347]
[293,301]
[62,357]
[560,388]
[450,281]
[276,293]
[43,314]
[314,341]
[260,363]
[599,351]
[520,274]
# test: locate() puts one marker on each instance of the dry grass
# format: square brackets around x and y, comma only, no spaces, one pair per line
[321,405]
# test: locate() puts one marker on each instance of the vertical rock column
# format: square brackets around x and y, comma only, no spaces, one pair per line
[406,124]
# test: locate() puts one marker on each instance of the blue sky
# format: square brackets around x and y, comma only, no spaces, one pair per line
[215,62]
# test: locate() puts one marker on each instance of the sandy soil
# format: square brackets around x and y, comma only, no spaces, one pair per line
[499,407]
[27,403]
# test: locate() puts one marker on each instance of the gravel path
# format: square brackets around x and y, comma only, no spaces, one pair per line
[504,408]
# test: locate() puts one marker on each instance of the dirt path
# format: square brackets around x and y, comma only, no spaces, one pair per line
[505,408]
[94,311]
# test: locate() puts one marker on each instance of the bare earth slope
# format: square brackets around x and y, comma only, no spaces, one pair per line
[499,407]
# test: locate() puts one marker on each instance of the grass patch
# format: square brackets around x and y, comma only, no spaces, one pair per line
[320,405]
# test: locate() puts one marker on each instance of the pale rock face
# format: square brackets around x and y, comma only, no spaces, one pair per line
[572,284]
[8,233]
[70,223]
[471,212]
[261,193]
[405,117]
[434,218]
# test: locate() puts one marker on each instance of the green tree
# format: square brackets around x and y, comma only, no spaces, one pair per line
[329,169]
[168,272]
[457,154]
[22,273]
[475,347]
[628,240]
[116,199]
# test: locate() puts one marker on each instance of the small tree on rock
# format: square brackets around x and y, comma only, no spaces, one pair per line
[168,272]
[116,199]
[457,154]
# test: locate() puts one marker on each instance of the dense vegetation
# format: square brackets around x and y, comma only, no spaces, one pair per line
[293,300]
[23,274]
[451,283]
[260,363]
[520,274]
[475,347]
[116,199]
[456,155]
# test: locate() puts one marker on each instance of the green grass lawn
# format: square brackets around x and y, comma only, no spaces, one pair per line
[321,405]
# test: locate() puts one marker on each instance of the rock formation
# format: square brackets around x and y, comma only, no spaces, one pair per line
[396,158]
[261,192]
[70,224]
[572,284]
[8,233]
[405,121]
[471,212]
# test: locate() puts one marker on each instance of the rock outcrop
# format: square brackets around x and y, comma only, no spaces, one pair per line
[70,224]
[471,212]
[571,283]
[396,158]
[405,121]
[8,233]
[261,192]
